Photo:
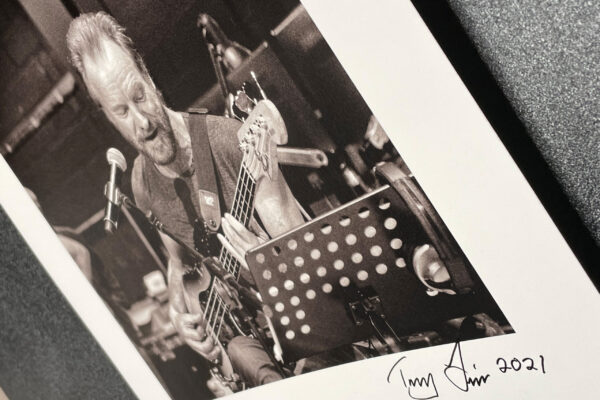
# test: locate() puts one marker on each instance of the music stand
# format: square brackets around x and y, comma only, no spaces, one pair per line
[319,279]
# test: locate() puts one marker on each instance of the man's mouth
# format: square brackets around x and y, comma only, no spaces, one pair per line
[152,135]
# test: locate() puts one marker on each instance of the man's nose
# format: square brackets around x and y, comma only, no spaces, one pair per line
[142,123]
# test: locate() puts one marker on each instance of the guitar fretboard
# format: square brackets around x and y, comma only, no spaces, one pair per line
[241,209]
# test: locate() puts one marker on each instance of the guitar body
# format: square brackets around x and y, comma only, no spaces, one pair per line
[259,136]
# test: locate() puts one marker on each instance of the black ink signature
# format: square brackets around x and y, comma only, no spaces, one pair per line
[457,374]
[424,387]
[419,388]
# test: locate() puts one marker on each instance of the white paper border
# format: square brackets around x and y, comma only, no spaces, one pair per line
[457,158]
[48,249]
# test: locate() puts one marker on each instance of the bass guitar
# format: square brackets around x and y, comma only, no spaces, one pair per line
[259,136]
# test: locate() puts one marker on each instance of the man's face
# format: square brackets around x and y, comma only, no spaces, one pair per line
[131,103]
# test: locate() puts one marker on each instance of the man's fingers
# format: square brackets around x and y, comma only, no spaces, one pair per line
[203,346]
[232,236]
[206,348]
[200,347]
[214,354]
[241,259]
[190,319]
[190,326]
[193,333]
[237,225]
[250,240]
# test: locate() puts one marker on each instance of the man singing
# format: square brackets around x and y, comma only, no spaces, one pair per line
[164,173]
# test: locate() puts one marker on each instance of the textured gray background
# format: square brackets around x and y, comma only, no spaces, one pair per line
[45,350]
[545,57]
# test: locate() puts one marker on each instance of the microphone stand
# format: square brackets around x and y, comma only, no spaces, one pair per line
[215,51]
[217,60]
[241,298]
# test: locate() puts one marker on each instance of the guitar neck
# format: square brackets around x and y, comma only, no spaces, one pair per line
[241,209]
[263,129]
[243,201]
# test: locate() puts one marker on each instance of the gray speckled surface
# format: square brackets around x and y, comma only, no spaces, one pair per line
[45,350]
[545,56]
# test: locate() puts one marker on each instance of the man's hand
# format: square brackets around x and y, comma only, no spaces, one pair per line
[238,240]
[191,328]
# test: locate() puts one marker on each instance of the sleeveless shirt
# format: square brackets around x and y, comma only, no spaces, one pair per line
[175,201]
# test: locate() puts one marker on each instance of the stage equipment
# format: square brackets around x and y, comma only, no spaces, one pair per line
[226,55]
[42,110]
[118,165]
[244,103]
[348,275]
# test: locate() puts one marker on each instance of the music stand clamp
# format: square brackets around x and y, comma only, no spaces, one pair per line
[370,308]
[324,280]
[366,308]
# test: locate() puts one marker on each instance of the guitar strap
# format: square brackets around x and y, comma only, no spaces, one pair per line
[205,182]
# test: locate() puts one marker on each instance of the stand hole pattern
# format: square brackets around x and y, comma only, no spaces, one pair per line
[315,254]
[345,220]
[320,271]
[282,268]
[332,247]
[351,239]
[317,263]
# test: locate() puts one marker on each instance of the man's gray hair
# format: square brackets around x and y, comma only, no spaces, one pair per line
[86,34]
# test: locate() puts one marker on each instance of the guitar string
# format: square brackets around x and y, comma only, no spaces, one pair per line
[240,212]
[223,259]
[213,295]
[233,265]
[229,262]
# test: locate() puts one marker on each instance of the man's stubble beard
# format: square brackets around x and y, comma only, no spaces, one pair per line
[162,150]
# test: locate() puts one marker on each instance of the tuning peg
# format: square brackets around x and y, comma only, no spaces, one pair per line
[244,102]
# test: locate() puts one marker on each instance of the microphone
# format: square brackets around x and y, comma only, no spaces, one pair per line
[118,165]
[213,30]
[225,47]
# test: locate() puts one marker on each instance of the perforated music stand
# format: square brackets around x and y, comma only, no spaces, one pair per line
[313,276]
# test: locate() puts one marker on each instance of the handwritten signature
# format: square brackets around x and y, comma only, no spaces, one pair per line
[424,387]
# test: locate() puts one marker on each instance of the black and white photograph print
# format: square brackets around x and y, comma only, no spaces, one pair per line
[221,183]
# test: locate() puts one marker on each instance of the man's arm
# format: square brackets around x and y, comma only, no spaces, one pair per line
[189,326]
[277,209]
[276,206]
[274,202]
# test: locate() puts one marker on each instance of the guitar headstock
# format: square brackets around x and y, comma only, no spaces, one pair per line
[259,136]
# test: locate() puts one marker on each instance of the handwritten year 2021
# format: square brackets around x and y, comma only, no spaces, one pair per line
[462,378]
